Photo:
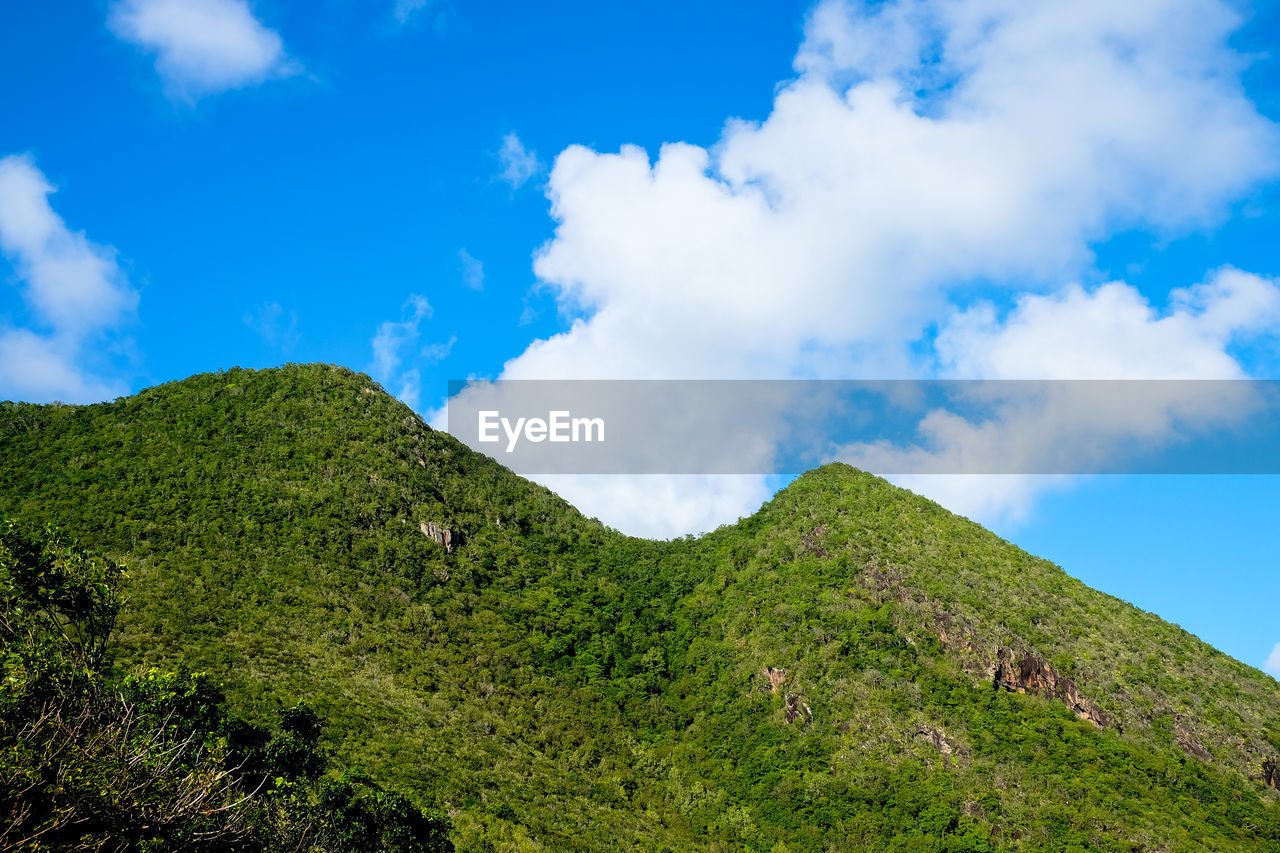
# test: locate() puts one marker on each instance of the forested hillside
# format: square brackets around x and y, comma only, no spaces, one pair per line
[851,668]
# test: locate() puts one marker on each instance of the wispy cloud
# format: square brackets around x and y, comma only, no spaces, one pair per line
[405,10]
[394,336]
[1272,666]
[275,325]
[518,163]
[202,47]
[472,270]
[73,288]
[396,353]
[433,353]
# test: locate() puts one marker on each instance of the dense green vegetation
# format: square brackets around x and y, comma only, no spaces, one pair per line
[155,762]
[555,685]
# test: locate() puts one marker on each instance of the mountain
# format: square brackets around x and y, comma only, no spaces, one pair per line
[851,668]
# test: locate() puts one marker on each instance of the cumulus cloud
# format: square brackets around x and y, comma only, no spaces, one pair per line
[1272,666]
[472,270]
[840,222]
[73,289]
[924,145]
[843,217]
[1112,332]
[202,47]
[518,164]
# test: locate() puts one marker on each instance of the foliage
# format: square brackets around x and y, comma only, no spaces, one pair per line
[558,686]
[156,762]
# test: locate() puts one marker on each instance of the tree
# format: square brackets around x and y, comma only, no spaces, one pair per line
[155,762]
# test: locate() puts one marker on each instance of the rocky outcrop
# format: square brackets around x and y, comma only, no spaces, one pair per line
[1270,773]
[950,634]
[794,707]
[886,582]
[797,709]
[1027,673]
[936,738]
[450,539]
[1187,741]
[811,542]
[777,677]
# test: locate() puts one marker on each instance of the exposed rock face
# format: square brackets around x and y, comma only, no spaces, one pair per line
[450,539]
[777,677]
[1187,741]
[951,636]
[936,738]
[1271,773]
[811,542]
[887,583]
[1029,674]
[797,709]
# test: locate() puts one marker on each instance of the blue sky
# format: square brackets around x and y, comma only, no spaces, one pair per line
[449,189]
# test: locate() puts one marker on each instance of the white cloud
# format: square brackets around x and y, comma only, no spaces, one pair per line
[73,288]
[71,284]
[396,342]
[1110,333]
[43,369]
[1272,666]
[392,336]
[924,145]
[472,270]
[518,164]
[661,506]
[844,218]
[274,325]
[202,47]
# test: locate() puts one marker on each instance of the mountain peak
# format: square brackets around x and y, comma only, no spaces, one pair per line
[851,666]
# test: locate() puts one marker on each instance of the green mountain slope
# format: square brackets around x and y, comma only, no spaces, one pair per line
[852,668]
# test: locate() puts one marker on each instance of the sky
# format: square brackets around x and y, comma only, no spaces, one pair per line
[430,190]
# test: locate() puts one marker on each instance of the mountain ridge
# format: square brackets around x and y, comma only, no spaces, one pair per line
[302,535]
